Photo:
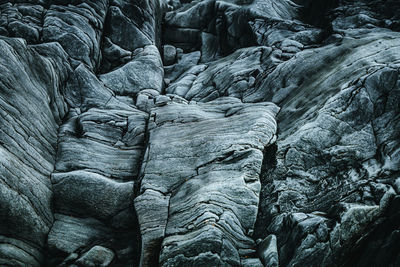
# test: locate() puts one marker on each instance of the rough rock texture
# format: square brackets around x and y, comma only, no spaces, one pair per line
[201,179]
[199,133]
[31,109]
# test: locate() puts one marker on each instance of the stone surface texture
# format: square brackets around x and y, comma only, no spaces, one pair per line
[199,133]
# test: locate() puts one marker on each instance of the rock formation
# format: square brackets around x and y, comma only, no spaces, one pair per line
[199,133]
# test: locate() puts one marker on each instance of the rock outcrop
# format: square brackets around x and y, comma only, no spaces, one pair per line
[199,133]
[200,176]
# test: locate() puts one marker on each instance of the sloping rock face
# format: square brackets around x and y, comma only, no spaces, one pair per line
[199,133]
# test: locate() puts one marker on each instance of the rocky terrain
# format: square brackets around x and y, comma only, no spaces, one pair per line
[199,133]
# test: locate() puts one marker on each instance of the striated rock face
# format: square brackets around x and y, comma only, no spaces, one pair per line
[32,107]
[199,133]
[201,179]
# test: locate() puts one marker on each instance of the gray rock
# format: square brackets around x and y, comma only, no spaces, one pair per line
[31,106]
[254,262]
[102,147]
[268,251]
[75,189]
[214,221]
[169,55]
[90,183]
[77,29]
[143,72]
[326,153]
[234,75]
[96,256]
[185,62]
[134,25]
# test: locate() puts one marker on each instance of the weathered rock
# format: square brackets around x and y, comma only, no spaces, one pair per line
[77,29]
[96,256]
[98,123]
[143,72]
[103,148]
[90,182]
[192,208]
[185,62]
[31,107]
[129,26]
[268,251]
[331,154]
[230,76]
[169,53]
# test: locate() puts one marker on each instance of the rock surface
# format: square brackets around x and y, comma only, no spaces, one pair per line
[201,179]
[199,133]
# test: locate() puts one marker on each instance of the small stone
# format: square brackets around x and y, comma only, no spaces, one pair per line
[162,100]
[252,262]
[397,185]
[96,256]
[268,251]
[71,257]
[150,92]
[169,55]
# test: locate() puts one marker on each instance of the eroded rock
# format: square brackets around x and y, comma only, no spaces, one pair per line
[103,145]
[204,200]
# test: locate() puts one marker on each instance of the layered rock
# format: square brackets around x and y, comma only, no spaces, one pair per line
[331,183]
[200,181]
[326,199]
[98,155]
[148,133]
[65,219]
[31,108]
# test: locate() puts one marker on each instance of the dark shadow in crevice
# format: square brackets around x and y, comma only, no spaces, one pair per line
[268,166]
[380,247]
[316,13]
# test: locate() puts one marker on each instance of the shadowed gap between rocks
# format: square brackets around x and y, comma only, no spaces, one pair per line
[268,165]
[316,12]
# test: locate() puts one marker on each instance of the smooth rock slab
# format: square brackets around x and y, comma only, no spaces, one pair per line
[201,171]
